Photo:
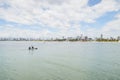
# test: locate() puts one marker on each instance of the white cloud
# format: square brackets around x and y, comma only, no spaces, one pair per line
[113,27]
[56,14]
[11,31]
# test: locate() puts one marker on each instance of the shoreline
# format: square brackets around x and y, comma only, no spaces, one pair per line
[70,41]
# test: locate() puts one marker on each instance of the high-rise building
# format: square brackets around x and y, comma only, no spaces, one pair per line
[101,37]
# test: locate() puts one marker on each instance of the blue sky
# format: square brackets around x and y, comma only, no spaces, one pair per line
[93,2]
[57,18]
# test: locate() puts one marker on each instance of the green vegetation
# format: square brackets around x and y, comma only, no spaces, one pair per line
[72,39]
[107,40]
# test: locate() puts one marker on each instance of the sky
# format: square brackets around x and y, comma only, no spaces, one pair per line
[58,18]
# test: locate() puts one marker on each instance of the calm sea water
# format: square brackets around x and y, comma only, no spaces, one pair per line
[59,61]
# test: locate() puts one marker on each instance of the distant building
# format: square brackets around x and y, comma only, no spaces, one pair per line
[86,38]
[118,38]
[101,37]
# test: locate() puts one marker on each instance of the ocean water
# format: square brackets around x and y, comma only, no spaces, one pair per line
[59,61]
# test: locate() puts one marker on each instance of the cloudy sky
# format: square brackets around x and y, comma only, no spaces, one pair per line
[57,18]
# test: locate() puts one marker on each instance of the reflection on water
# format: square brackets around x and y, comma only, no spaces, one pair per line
[59,61]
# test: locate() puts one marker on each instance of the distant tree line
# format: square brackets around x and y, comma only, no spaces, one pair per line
[77,38]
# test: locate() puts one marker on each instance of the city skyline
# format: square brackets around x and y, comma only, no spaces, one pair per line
[82,38]
[57,18]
